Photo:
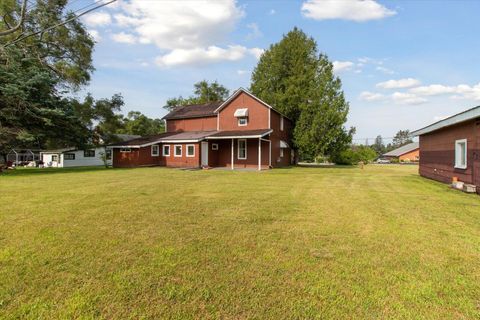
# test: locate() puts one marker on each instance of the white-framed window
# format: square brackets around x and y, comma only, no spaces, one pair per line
[125,150]
[108,154]
[166,150]
[461,154]
[242,121]
[214,146]
[190,150]
[281,123]
[69,156]
[281,152]
[89,153]
[178,150]
[54,157]
[242,149]
[155,150]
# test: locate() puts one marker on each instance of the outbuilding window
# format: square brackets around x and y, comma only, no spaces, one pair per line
[125,150]
[242,149]
[190,150]
[178,150]
[89,153]
[461,154]
[166,150]
[108,154]
[54,157]
[69,156]
[214,146]
[155,150]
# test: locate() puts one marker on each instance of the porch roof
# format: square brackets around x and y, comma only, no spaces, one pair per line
[237,134]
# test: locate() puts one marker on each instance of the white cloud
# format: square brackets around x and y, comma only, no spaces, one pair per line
[95,35]
[461,91]
[95,19]
[398,84]
[371,96]
[355,10]
[123,37]
[242,72]
[384,70]
[176,25]
[255,33]
[256,52]
[339,66]
[200,56]
[407,98]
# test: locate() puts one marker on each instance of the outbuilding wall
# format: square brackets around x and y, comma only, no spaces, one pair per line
[410,156]
[437,153]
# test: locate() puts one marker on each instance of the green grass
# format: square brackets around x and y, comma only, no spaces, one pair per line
[298,243]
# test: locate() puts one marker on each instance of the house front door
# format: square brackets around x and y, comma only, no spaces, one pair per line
[204,154]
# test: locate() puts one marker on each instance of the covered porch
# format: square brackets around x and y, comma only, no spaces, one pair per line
[237,150]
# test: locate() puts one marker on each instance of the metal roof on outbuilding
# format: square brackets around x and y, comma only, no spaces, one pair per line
[402,150]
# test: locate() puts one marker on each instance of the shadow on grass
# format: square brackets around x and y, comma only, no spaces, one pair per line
[22,172]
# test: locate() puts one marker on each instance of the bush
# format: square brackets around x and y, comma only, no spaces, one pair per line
[354,155]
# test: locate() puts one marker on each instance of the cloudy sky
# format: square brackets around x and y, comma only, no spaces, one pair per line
[404,64]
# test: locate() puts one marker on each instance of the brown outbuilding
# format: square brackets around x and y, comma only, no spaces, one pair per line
[450,148]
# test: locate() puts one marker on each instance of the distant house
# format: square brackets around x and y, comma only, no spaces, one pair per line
[72,157]
[451,148]
[240,132]
[408,152]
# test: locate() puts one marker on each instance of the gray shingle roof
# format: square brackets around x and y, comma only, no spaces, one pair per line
[194,111]
[402,150]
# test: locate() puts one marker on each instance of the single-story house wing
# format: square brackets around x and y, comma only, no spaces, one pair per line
[408,152]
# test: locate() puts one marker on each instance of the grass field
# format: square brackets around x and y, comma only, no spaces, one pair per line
[296,243]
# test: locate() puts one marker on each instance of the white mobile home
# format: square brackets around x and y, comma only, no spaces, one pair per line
[72,157]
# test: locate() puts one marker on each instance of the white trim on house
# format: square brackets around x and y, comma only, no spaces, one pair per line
[461,154]
[163,150]
[186,151]
[242,137]
[238,149]
[175,150]
[281,123]
[469,114]
[155,154]
[269,118]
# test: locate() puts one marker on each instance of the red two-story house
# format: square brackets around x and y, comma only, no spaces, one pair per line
[241,132]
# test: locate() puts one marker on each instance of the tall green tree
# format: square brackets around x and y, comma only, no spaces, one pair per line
[401,138]
[139,124]
[378,145]
[203,92]
[299,81]
[37,72]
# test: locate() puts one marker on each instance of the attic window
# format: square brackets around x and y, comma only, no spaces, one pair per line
[242,121]
[241,113]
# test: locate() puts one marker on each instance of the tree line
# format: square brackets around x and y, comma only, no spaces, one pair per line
[40,75]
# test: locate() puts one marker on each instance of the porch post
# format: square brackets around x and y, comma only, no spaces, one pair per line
[259,153]
[232,155]
[270,153]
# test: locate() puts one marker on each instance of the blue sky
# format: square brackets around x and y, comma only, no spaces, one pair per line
[403,64]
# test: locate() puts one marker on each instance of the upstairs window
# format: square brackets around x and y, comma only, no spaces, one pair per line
[461,154]
[89,153]
[155,150]
[242,121]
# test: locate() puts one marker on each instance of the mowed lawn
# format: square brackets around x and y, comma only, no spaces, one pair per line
[297,243]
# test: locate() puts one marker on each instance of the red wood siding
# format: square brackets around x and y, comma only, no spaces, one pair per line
[223,157]
[195,124]
[183,161]
[276,136]
[257,114]
[437,154]
[136,158]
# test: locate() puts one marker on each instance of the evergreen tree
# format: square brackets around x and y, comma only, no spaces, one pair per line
[292,76]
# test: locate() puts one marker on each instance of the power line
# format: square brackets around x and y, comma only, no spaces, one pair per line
[62,23]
